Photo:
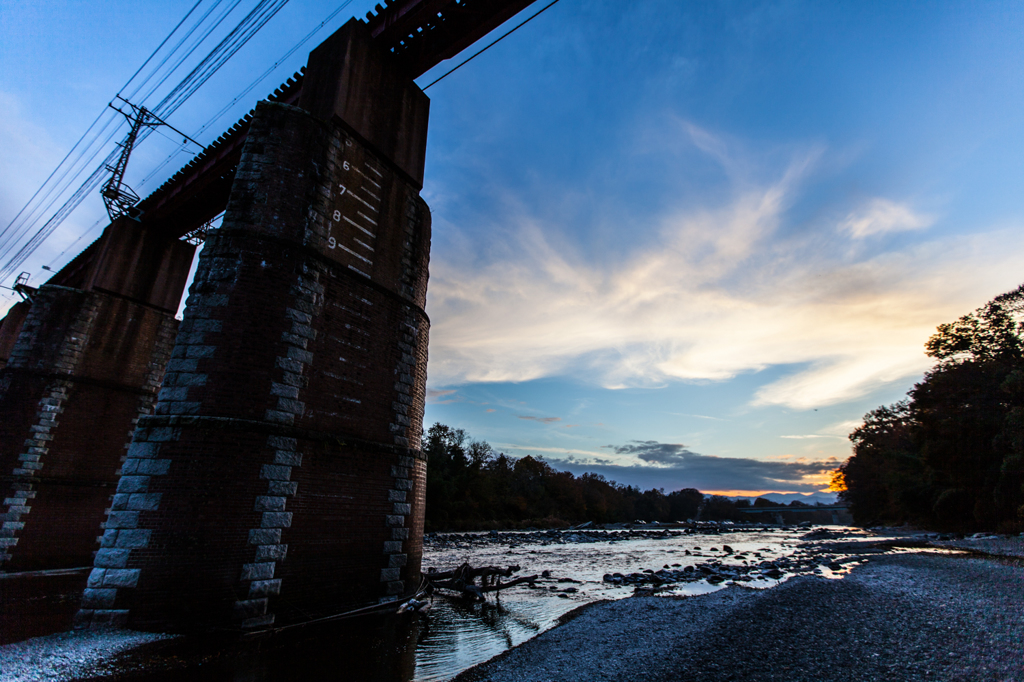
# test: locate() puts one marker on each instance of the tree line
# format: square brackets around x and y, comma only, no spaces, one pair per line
[471,487]
[950,456]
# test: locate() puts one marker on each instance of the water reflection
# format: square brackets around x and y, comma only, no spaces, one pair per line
[462,634]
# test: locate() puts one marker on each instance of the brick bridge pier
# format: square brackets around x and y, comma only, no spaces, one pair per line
[280,478]
[259,463]
[84,361]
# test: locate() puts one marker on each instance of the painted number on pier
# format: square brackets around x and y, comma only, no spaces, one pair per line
[355,207]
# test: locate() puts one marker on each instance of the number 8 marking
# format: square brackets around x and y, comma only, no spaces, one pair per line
[337,216]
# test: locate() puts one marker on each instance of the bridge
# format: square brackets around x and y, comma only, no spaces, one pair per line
[777,511]
[257,464]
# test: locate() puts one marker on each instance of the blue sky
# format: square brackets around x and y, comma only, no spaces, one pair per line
[681,244]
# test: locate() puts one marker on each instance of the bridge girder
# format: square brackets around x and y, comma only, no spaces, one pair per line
[418,33]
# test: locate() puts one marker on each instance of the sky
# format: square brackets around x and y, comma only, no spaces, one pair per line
[676,244]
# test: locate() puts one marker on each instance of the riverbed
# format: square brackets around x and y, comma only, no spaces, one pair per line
[573,568]
[463,634]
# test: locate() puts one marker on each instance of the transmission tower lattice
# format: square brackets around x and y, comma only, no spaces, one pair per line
[118,197]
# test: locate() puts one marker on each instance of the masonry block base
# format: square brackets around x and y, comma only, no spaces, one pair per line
[279,478]
[85,366]
[239,537]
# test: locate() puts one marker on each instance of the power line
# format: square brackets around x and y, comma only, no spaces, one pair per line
[47,229]
[92,228]
[221,53]
[212,63]
[525,22]
[209,65]
[227,107]
[42,209]
[97,120]
[195,45]
[111,118]
[160,46]
[224,50]
[54,172]
[23,221]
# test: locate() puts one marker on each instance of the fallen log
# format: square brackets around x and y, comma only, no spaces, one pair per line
[465,570]
[463,580]
[503,586]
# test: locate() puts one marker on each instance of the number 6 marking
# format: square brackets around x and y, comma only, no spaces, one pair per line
[345,165]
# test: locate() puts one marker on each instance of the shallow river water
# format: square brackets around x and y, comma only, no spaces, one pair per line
[460,635]
[455,634]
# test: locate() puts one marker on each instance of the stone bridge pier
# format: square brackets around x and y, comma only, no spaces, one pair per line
[280,477]
[84,360]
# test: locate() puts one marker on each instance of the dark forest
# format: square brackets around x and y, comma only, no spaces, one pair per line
[471,487]
[951,455]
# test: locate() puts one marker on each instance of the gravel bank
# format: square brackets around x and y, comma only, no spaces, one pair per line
[68,655]
[994,545]
[897,617]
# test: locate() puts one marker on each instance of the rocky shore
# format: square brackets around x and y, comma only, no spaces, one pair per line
[917,615]
[829,552]
[909,606]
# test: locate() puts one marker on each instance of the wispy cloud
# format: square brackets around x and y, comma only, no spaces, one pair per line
[440,396]
[718,291]
[520,450]
[842,429]
[881,216]
[698,416]
[810,436]
[544,420]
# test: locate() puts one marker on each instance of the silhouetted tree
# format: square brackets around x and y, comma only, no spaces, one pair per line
[952,456]
[683,504]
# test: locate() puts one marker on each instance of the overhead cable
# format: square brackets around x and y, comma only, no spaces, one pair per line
[524,23]
[97,120]
[249,88]
[41,202]
[159,47]
[236,39]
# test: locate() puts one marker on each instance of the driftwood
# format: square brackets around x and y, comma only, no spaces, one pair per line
[463,579]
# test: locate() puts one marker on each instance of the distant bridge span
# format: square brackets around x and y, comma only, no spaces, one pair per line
[777,511]
[758,510]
